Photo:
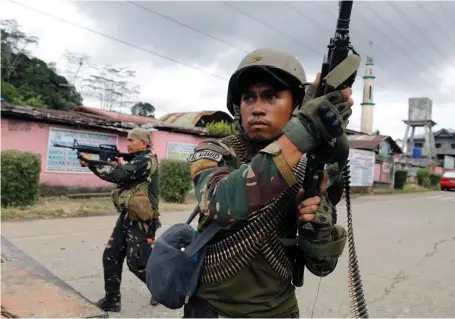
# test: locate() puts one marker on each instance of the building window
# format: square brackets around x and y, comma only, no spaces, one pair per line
[418,144]
[438,145]
[453,145]
[371,92]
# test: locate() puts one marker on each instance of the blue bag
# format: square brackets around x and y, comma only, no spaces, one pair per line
[176,262]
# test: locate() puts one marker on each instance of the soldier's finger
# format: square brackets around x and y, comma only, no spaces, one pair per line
[317,80]
[310,201]
[347,92]
[307,213]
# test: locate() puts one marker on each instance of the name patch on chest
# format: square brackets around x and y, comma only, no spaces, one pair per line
[211,155]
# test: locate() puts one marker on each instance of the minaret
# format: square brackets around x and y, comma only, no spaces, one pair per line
[366,125]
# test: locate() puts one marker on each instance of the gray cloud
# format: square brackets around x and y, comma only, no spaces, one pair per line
[413,45]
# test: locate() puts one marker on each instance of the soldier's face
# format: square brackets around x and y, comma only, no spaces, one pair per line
[265,111]
[135,145]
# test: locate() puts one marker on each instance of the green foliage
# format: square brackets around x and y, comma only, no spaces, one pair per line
[20,178]
[31,80]
[435,179]
[401,177]
[10,93]
[221,129]
[143,109]
[422,175]
[175,180]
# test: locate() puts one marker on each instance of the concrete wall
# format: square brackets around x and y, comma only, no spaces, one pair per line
[33,137]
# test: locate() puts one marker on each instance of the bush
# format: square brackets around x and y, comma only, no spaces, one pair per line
[422,174]
[221,129]
[175,180]
[20,178]
[435,179]
[400,178]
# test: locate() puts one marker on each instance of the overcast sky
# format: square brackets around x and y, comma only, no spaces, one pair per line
[413,47]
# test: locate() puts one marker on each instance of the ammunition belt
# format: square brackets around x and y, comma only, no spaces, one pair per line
[227,257]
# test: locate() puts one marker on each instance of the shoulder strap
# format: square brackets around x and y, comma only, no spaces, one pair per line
[202,238]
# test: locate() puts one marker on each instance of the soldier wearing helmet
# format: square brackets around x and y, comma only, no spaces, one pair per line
[136,199]
[238,179]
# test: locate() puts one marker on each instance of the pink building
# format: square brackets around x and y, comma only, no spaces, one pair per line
[35,130]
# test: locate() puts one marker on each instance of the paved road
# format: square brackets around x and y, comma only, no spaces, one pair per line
[405,246]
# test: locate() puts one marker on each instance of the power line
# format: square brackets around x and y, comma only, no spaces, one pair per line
[321,25]
[186,26]
[410,44]
[433,20]
[119,40]
[365,21]
[398,10]
[272,28]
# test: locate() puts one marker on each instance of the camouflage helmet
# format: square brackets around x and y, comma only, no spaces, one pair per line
[274,66]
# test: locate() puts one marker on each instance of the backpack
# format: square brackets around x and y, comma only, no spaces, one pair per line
[176,262]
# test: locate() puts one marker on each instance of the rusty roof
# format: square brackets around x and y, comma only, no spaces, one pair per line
[87,117]
[59,116]
[195,119]
[371,142]
[116,116]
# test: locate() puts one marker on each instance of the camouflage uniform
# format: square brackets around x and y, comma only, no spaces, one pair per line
[234,179]
[132,237]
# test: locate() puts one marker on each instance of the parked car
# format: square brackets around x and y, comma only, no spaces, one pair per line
[448,180]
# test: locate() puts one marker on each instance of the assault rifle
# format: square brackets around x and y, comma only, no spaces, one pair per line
[339,70]
[106,152]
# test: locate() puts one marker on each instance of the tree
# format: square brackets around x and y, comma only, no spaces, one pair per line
[112,86]
[29,80]
[14,44]
[143,109]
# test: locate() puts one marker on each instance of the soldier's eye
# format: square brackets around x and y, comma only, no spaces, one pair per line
[247,97]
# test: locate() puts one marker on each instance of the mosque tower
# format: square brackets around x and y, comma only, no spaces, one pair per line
[366,124]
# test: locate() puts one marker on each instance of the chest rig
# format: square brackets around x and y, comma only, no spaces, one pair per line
[227,257]
[138,200]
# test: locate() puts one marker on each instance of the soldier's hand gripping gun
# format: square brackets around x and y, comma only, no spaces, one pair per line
[106,152]
[338,72]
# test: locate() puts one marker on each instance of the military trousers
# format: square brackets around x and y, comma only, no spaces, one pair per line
[128,240]
[197,308]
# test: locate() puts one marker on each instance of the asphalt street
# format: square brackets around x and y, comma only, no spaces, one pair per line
[405,247]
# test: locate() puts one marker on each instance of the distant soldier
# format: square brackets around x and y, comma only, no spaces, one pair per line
[136,198]
[239,179]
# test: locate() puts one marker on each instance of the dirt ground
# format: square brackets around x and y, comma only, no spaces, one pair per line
[49,207]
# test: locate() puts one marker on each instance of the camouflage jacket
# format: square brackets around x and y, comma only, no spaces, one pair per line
[132,173]
[232,180]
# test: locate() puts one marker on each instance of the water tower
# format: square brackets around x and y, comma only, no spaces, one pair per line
[419,115]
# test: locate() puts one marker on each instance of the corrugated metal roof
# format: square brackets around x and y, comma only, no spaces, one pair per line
[116,116]
[371,142]
[193,119]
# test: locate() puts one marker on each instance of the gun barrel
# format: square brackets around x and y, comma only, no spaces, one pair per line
[344,16]
[62,145]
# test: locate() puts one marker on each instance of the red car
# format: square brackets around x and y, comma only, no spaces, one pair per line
[448,180]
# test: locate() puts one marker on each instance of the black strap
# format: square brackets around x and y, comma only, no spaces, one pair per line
[204,237]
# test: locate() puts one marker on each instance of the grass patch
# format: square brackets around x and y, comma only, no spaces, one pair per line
[414,188]
[51,207]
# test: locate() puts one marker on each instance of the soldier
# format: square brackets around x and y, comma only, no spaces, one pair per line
[136,198]
[247,271]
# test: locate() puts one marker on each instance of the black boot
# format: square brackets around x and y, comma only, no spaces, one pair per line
[110,304]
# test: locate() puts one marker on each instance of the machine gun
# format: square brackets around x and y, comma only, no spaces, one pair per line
[339,69]
[106,152]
